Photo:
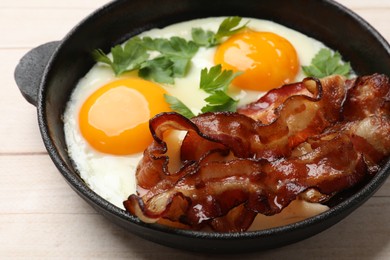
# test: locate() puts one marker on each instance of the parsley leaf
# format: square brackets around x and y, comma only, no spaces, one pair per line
[180,52]
[173,61]
[178,106]
[176,49]
[203,38]
[175,46]
[180,47]
[126,58]
[175,54]
[180,66]
[326,63]
[220,101]
[216,81]
[228,27]
[158,69]
[100,56]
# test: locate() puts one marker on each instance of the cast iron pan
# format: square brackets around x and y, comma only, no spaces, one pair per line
[47,75]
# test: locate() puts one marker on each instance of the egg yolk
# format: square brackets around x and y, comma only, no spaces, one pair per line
[114,119]
[266,59]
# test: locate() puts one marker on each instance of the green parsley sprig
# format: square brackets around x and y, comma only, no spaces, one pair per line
[176,49]
[326,63]
[173,61]
[127,58]
[174,57]
[178,106]
[215,82]
[228,27]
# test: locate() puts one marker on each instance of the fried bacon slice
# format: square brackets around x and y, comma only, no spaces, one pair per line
[315,107]
[310,140]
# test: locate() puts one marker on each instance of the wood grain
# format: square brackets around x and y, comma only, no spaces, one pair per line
[42,218]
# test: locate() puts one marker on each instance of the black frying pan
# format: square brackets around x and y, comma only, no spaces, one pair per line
[47,75]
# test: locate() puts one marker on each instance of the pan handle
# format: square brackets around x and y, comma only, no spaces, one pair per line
[29,71]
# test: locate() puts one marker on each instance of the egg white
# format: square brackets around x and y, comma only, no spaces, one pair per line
[113,177]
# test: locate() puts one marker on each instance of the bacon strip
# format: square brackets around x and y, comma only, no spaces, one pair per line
[263,110]
[234,167]
[298,117]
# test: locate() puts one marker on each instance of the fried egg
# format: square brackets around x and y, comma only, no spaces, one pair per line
[106,118]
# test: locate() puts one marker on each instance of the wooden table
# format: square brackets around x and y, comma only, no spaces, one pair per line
[42,217]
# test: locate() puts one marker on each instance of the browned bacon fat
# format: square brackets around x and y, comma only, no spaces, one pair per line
[310,140]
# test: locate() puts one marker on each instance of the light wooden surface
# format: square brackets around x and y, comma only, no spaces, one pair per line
[41,216]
